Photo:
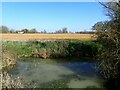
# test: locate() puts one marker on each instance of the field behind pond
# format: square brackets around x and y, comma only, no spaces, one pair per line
[22,37]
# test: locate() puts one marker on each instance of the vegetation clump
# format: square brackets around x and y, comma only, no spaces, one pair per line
[54,49]
[7,81]
[8,60]
[108,35]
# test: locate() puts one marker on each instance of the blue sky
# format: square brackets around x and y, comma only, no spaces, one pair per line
[52,16]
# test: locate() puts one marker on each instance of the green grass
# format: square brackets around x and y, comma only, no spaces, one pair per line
[53,49]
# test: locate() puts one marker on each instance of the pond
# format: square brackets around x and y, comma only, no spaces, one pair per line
[51,74]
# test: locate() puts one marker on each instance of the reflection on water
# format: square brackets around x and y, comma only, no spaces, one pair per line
[73,75]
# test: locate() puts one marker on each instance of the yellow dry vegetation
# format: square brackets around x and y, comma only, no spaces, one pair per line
[23,37]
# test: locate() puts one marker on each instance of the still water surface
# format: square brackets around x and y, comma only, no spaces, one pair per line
[68,74]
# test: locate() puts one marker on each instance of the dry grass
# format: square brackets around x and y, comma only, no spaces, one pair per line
[23,37]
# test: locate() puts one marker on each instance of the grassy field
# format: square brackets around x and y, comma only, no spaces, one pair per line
[19,37]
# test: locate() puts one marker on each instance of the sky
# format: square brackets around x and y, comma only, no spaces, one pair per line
[56,0]
[52,16]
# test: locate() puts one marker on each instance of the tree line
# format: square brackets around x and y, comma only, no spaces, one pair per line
[5,29]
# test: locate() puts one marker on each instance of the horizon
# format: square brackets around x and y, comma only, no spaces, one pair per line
[52,16]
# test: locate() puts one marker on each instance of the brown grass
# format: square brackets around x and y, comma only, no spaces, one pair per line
[46,36]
